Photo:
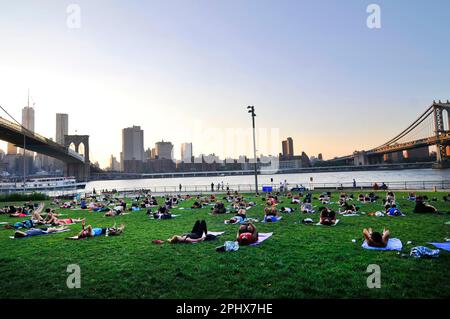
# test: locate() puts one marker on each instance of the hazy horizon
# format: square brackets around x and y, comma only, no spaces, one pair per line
[185,71]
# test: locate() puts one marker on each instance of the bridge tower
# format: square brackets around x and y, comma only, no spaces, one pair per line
[439,130]
[80,171]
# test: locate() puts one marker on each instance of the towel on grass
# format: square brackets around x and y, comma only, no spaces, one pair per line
[59,231]
[173,216]
[335,223]
[444,246]
[4,223]
[350,215]
[277,219]
[393,244]
[261,237]
[215,233]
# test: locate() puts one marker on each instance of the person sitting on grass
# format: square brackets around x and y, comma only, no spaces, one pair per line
[327,217]
[196,235]
[247,234]
[37,232]
[422,207]
[412,196]
[89,231]
[219,208]
[375,239]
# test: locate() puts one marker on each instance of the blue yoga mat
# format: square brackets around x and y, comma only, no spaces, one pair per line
[444,246]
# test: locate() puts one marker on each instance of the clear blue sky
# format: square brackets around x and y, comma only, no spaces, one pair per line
[185,70]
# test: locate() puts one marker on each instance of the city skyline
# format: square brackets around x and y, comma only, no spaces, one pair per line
[131,66]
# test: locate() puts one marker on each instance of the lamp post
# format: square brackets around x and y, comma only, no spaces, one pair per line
[251,110]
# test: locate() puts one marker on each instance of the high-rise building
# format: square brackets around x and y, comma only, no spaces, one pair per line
[288,148]
[133,143]
[132,155]
[320,157]
[62,127]
[11,149]
[28,118]
[164,150]
[186,152]
[114,165]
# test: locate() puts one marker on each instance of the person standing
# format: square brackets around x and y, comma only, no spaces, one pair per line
[212,187]
[354,183]
[180,187]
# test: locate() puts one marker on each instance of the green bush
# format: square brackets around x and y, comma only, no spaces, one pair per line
[16,197]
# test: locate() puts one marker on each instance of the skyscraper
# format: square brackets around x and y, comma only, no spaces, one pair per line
[28,118]
[133,143]
[288,148]
[62,127]
[186,152]
[11,149]
[132,149]
[164,150]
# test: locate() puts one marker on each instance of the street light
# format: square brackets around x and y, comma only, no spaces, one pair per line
[251,110]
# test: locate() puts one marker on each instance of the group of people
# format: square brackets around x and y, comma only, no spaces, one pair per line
[41,222]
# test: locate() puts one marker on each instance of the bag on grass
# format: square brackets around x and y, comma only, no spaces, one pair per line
[421,251]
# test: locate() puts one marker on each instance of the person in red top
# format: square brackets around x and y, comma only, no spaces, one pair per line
[247,234]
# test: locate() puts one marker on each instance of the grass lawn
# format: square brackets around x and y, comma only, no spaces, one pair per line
[298,261]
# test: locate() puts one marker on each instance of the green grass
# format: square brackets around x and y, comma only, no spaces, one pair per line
[299,261]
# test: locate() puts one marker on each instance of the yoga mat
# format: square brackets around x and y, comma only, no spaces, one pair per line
[173,216]
[262,237]
[60,231]
[337,221]
[444,246]
[393,244]
[279,218]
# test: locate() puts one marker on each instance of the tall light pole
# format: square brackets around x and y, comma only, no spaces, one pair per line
[251,110]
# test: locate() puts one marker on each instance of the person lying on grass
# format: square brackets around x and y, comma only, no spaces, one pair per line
[53,220]
[286,209]
[239,217]
[247,234]
[196,205]
[116,211]
[422,207]
[306,206]
[375,239]
[89,231]
[196,235]
[347,208]
[271,214]
[162,213]
[327,217]
[392,210]
[38,231]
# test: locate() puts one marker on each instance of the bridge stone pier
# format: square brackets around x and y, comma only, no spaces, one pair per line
[81,171]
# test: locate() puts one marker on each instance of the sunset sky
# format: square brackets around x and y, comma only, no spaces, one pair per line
[186,70]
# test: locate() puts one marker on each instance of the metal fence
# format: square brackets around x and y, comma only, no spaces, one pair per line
[250,188]
[363,186]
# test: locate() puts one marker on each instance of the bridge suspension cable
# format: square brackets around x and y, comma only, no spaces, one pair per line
[424,116]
